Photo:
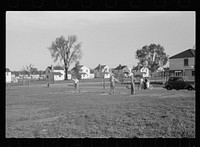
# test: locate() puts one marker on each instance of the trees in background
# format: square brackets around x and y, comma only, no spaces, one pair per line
[67,50]
[154,54]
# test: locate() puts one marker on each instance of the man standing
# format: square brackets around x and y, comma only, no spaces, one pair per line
[76,84]
[112,83]
[145,73]
[132,84]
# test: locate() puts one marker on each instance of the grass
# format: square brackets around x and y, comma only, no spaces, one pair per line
[37,111]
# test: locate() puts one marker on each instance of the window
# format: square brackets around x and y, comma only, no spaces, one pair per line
[172,79]
[177,73]
[179,79]
[185,62]
[193,73]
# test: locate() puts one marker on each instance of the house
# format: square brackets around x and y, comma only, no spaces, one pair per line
[35,74]
[121,71]
[183,64]
[83,70]
[8,75]
[41,75]
[136,70]
[59,73]
[102,71]
[92,75]
[14,76]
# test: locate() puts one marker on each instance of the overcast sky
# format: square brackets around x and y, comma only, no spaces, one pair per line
[110,38]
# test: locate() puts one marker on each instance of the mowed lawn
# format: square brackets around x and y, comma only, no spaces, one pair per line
[38,111]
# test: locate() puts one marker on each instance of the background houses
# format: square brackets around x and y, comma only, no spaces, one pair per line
[8,75]
[183,64]
[102,71]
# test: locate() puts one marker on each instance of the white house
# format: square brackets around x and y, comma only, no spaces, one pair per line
[59,73]
[8,75]
[84,71]
[121,71]
[102,71]
[92,75]
[183,64]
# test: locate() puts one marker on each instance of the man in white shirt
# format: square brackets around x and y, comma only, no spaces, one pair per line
[144,70]
[145,74]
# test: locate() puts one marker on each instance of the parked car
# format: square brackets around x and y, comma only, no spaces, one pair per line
[179,83]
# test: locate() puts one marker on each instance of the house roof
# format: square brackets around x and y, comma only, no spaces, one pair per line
[119,67]
[136,68]
[57,68]
[48,67]
[79,67]
[99,67]
[7,70]
[16,73]
[56,73]
[184,54]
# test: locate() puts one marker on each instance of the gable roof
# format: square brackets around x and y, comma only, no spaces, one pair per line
[136,68]
[75,67]
[100,67]
[16,73]
[56,73]
[48,67]
[7,70]
[119,67]
[57,68]
[184,54]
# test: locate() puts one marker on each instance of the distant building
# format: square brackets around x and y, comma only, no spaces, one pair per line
[35,75]
[183,64]
[102,71]
[92,74]
[84,71]
[136,70]
[121,71]
[59,73]
[14,76]
[8,75]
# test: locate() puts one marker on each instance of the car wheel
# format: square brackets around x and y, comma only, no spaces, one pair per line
[189,88]
[169,88]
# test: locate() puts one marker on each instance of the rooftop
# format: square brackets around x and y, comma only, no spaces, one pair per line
[7,70]
[119,67]
[99,67]
[56,73]
[185,54]
[57,68]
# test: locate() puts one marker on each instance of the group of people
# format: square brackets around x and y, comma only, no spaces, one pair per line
[144,81]
[112,80]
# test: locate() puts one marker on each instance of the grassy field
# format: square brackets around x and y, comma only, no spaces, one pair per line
[57,111]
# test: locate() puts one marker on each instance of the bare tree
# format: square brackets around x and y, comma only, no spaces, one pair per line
[68,51]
